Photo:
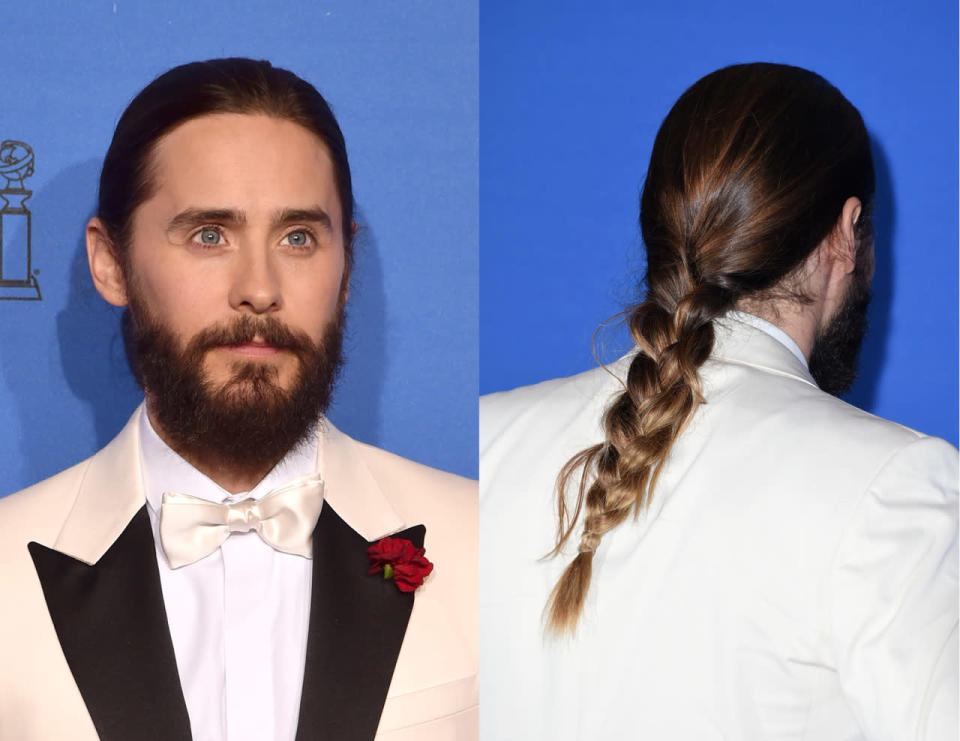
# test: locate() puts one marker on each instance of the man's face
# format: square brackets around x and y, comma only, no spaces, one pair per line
[236,282]
[833,359]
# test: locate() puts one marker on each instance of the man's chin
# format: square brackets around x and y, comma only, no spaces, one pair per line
[248,425]
[245,414]
[235,375]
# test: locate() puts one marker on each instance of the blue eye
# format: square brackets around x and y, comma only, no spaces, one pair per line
[209,236]
[298,238]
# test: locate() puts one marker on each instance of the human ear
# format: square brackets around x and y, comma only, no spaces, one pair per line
[844,243]
[345,282]
[105,267]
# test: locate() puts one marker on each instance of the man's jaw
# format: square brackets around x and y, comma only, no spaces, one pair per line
[237,397]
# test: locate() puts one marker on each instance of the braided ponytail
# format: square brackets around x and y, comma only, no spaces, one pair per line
[641,425]
[748,174]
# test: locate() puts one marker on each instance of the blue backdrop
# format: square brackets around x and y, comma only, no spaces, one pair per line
[402,79]
[571,101]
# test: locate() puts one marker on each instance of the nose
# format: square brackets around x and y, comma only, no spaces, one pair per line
[255,286]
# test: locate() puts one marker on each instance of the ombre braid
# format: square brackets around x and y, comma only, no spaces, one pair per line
[661,393]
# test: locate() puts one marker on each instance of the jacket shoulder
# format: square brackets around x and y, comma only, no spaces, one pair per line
[38,512]
[557,401]
[420,492]
[799,413]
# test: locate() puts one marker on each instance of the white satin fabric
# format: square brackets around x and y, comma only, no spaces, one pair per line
[238,617]
[192,528]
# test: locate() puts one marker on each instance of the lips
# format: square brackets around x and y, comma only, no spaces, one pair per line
[250,337]
[255,348]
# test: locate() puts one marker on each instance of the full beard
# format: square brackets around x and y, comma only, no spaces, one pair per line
[250,422]
[833,359]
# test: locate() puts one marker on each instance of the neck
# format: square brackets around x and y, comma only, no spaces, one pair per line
[823,280]
[799,321]
[230,475]
[227,475]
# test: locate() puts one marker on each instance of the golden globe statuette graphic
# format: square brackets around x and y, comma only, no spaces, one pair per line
[16,280]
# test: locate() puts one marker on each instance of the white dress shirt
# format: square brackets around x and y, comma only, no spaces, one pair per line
[238,618]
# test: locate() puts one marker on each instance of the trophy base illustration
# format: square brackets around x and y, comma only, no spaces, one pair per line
[23,290]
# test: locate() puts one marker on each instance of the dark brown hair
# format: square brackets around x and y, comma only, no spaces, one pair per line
[233,85]
[749,174]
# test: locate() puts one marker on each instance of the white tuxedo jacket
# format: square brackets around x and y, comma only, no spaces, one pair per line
[84,646]
[795,576]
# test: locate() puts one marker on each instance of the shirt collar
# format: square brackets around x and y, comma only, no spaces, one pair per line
[165,470]
[773,330]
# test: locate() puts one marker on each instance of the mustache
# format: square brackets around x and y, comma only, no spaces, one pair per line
[245,329]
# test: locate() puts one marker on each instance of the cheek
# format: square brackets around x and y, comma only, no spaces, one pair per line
[183,300]
[313,295]
[314,306]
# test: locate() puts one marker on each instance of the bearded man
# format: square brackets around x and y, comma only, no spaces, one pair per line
[231,566]
[738,554]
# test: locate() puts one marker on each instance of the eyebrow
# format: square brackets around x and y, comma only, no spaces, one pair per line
[314,215]
[192,217]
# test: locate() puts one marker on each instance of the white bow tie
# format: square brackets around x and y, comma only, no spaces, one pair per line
[193,528]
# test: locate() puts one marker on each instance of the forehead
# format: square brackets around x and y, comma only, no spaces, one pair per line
[253,162]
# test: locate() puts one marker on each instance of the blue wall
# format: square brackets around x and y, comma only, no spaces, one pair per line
[572,96]
[402,79]
[571,101]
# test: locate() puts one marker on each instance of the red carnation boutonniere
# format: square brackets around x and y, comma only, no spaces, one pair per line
[400,560]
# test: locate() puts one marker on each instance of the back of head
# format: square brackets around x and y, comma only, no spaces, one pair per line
[231,85]
[749,174]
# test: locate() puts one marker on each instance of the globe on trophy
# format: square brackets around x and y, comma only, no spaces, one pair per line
[16,279]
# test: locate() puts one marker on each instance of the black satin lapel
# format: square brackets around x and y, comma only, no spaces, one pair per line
[357,624]
[112,626]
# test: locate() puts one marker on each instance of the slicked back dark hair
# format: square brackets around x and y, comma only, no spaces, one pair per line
[232,85]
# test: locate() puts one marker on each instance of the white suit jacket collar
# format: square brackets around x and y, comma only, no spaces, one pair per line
[111,492]
[740,343]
